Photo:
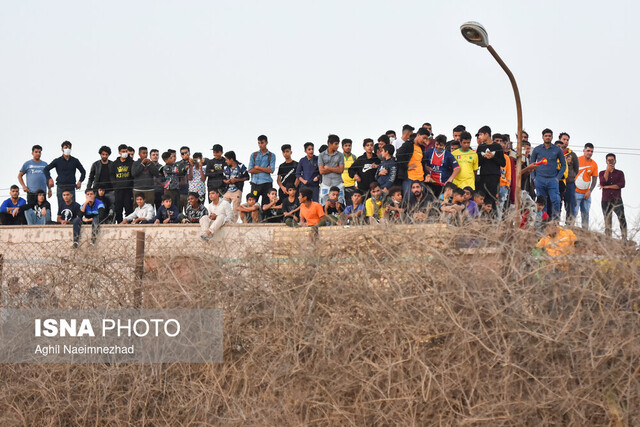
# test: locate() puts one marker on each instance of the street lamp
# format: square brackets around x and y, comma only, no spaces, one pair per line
[474,32]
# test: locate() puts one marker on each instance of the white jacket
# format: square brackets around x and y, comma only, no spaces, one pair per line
[223,209]
[147,212]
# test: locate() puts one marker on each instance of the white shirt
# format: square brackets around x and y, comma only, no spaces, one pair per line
[147,212]
[223,209]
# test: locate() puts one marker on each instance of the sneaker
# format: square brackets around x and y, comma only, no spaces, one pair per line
[75,245]
[205,237]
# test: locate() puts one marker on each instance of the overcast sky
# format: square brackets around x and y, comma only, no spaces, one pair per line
[165,74]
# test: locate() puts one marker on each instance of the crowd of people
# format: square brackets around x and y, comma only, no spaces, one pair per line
[416,177]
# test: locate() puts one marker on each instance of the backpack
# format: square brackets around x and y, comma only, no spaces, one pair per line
[255,156]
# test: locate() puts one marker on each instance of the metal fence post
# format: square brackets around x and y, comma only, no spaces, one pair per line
[139,272]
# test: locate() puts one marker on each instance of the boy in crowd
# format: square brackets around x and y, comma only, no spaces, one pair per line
[220,213]
[168,212]
[471,208]
[34,169]
[333,207]
[66,167]
[196,176]
[144,172]
[308,173]
[364,168]
[122,179]
[69,210]
[374,208]
[250,211]
[194,211]
[585,182]
[387,173]
[286,173]
[158,180]
[490,160]
[354,213]
[108,205]
[262,164]
[235,174]
[291,206]
[38,212]
[612,182]
[214,170]
[311,213]
[541,216]
[453,211]
[331,166]
[11,205]
[441,165]
[349,159]
[478,198]
[143,213]
[418,204]
[172,174]
[393,205]
[271,212]
[468,161]
[91,212]
[505,179]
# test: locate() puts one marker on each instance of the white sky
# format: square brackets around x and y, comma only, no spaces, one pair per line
[165,74]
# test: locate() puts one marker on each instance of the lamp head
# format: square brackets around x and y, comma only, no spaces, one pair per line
[475,33]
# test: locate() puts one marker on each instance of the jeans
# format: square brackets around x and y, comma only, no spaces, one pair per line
[583,205]
[32,218]
[608,208]
[570,202]
[503,200]
[77,228]
[324,193]
[548,187]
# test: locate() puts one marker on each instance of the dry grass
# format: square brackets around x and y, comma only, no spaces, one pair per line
[390,327]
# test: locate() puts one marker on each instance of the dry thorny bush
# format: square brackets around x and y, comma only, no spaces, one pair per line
[394,325]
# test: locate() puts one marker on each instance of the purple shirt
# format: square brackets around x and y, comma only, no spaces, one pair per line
[472,209]
[615,178]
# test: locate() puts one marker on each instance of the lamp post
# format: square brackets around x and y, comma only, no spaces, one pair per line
[475,33]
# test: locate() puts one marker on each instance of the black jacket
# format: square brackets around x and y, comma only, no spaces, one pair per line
[94,173]
[143,175]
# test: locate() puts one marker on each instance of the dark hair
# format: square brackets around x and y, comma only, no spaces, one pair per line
[527,143]
[263,138]
[194,194]
[458,191]
[524,132]
[455,143]
[285,147]
[469,189]
[334,188]
[332,139]
[389,149]
[424,131]
[366,141]
[184,147]
[390,132]
[122,147]
[373,185]
[307,145]
[541,200]
[306,192]
[589,145]
[39,192]
[217,148]
[66,191]
[89,190]
[65,144]
[407,128]
[253,196]
[426,124]
[441,139]
[165,156]
[271,190]
[558,142]
[385,139]
[376,147]
[395,189]
[130,148]
[450,185]
[290,186]
[14,187]
[231,155]
[610,155]
[465,135]
[496,136]
[322,148]
[197,155]
[485,129]
[215,190]
[459,128]
[36,147]
[358,191]
[166,197]
[479,193]
[154,150]
[139,195]
[547,130]
[143,148]
[171,151]
[347,141]
[563,134]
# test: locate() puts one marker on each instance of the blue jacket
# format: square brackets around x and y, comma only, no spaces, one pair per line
[308,169]
[553,154]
